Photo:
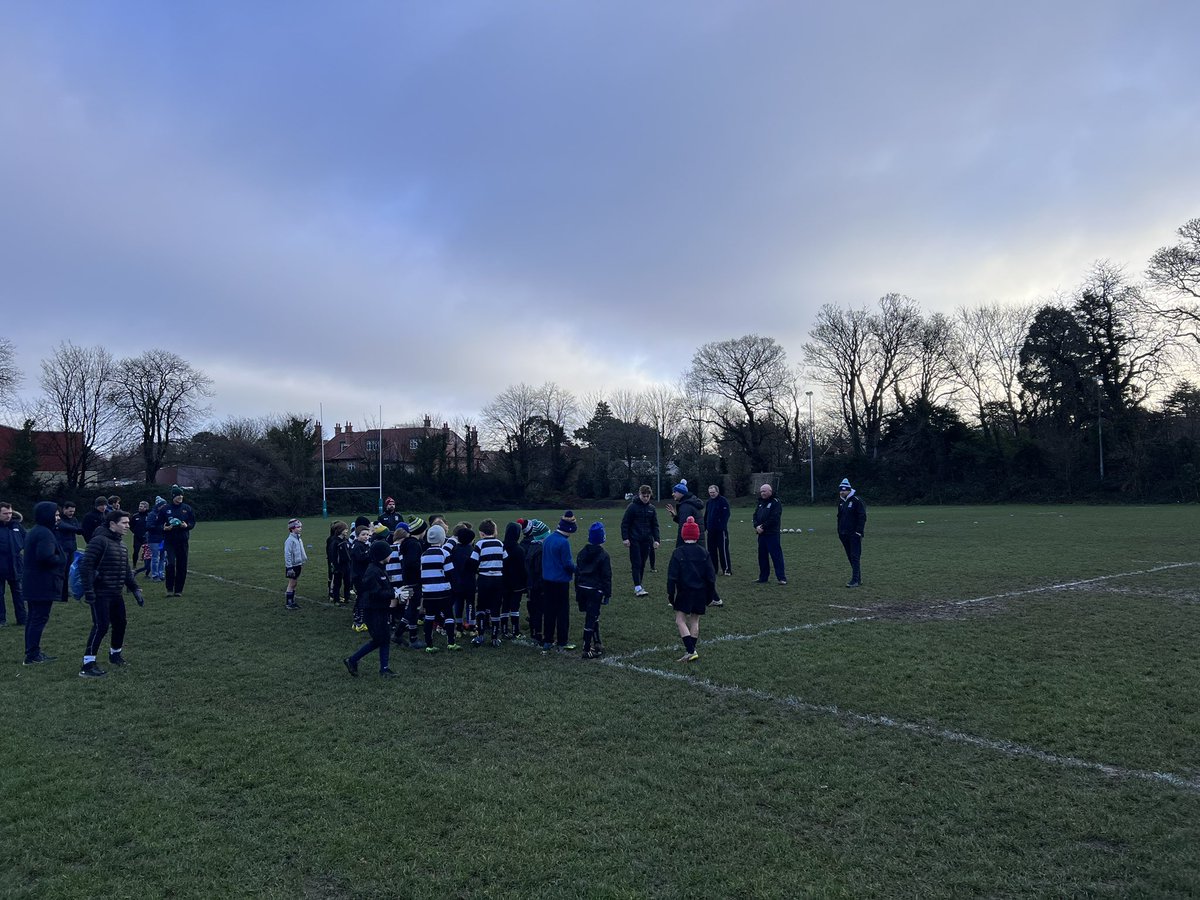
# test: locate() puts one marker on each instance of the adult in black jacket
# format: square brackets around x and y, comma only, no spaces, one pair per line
[42,578]
[851,523]
[93,519]
[389,518]
[137,525]
[716,520]
[639,532]
[105,572]
[177,531]
[686,506]
[67,531]
[377,598]
[12,544]
[767,516]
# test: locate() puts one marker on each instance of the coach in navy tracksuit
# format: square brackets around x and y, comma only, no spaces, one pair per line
[767,516]
[12,543]
[716,519]
[851,523]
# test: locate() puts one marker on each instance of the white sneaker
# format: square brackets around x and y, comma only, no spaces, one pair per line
[639,591]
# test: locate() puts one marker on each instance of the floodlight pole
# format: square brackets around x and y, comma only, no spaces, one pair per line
[381,459]
[1100,424]
[657,458]
[812,460]
[321,438]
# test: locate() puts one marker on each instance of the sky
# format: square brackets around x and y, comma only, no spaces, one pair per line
[409,206]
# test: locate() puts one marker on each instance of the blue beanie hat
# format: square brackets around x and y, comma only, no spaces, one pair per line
[596,533]
[681,488]
[567,524]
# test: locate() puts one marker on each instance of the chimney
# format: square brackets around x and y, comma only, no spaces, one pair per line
[349,428]
[337,428]
[428,423]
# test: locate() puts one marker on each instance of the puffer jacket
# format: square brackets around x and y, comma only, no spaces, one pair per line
[45,561]
[690,505]
[640,522]
[105,567]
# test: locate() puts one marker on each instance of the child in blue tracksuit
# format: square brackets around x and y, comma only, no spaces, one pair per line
[558,567]
[593,587]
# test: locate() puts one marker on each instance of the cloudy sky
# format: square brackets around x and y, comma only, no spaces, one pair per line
[415,204]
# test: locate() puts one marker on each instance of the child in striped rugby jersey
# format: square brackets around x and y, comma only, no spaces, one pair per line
[488,555]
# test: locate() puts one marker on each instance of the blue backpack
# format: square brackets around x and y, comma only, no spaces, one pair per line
[75,578]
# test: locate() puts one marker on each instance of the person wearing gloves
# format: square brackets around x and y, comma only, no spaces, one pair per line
[105,571]
[593,588]
[42,578]
[851,523]
[177,532]
[294,559]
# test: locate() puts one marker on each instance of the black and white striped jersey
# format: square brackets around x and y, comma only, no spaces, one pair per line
[490,554]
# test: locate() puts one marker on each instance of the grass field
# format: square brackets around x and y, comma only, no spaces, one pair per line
[1008,707]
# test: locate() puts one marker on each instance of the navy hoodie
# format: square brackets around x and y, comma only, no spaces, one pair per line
[45,561]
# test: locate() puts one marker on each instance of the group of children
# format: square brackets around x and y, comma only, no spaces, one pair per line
[411,579]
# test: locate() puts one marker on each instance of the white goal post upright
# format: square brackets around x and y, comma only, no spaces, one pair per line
[325,489]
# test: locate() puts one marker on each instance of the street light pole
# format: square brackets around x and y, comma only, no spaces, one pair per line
[812,461]
[1100,425]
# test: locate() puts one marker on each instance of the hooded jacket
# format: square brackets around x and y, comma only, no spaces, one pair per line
[12,542]
[45,561]
[690,505]
[516,577]
[105,566]
[593,569]
[375,589]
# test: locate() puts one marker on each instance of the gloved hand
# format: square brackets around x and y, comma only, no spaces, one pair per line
[89,599]
[290,573]
[140,598]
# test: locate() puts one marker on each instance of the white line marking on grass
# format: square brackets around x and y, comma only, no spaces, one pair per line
[785,629]
[1064,585]
[255,587]
[1007,748]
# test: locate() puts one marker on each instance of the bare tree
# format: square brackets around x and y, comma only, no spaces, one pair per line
[1175,271]
[10,375]
[861,356]
[161,395]
[987,357]
[739,380]
[627,405]
[931,380]
[510,420]
[77,384]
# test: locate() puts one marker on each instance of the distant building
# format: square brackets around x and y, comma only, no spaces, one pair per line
[350,450]
[50,447]
[190,477]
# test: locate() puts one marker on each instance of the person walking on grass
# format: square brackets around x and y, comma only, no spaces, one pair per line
[558,567]
[42,578]
[851,523]
[593,587]
[177,532]
[378,601]
[716,522]
[767,517]
[294,559]
[691,586]
[639,533]
[93,519]
[105,572]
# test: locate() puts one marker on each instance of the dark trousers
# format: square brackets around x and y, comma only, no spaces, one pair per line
[512,608]
[106,611]
[556,612]
[769,549]
[534,609]
[589,601]
[67,575]
[339,583]
[490,596]
[35,624]
[377,626]
[718,550]
[13,583]
[139,564]
[639,552]
[177,562]
[853,545]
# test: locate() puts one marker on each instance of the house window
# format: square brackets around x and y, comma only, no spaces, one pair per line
[414,443]
[349,467]
[342,447]
[373,446]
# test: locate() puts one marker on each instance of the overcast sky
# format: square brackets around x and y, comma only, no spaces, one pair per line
[415,204]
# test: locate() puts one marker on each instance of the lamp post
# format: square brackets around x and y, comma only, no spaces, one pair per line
[812,460]
[1100,425]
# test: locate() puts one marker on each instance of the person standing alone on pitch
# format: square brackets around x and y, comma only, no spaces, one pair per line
[767,517]
[639,532]
[105,572]
[177,532]
[716,521]
[294,559]
[851,523]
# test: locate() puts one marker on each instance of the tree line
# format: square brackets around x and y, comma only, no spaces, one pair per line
[1080,396]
